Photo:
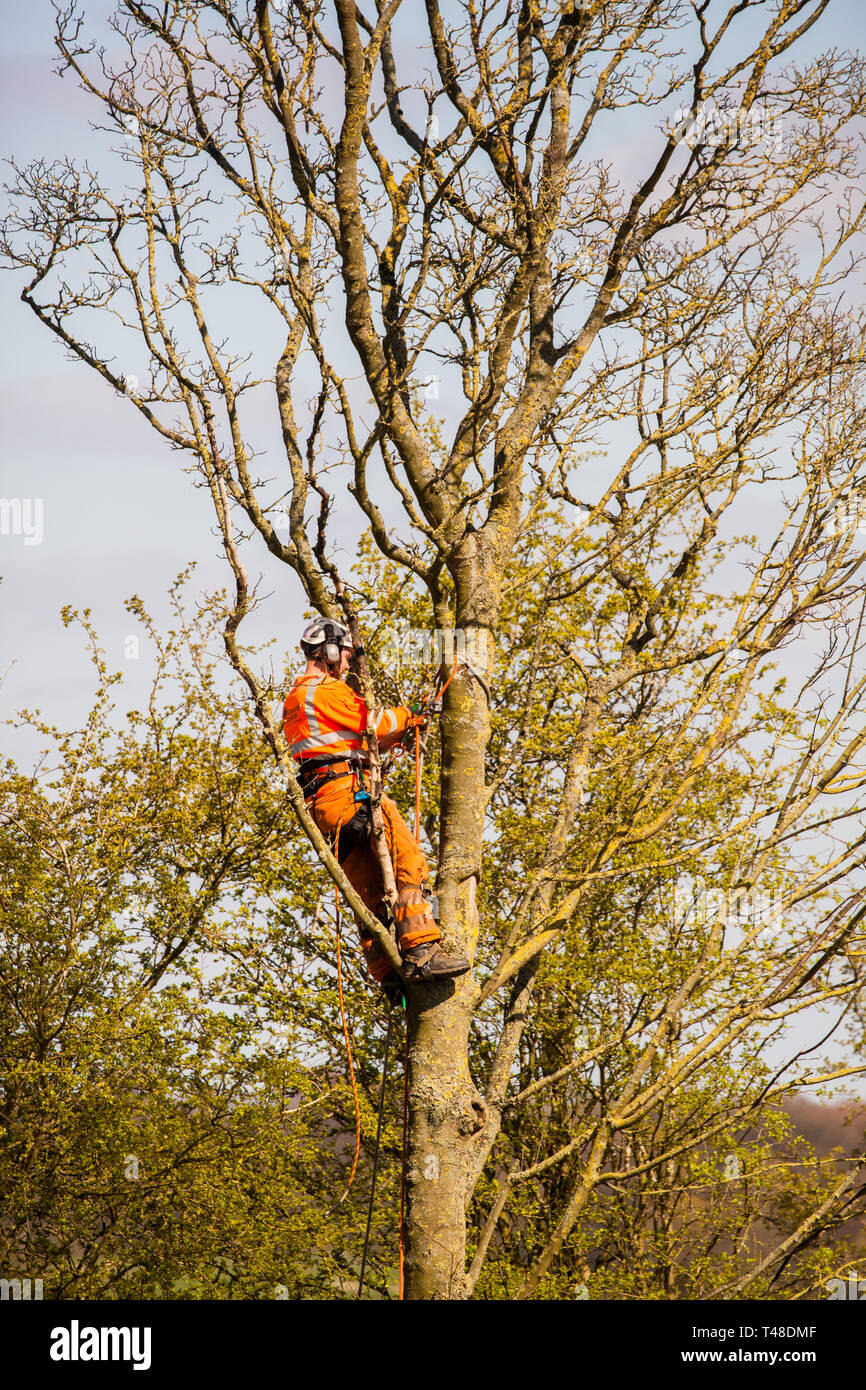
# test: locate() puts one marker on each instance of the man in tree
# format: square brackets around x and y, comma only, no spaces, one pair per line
[325,723]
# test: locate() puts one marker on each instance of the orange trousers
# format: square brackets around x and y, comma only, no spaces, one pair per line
[333,806]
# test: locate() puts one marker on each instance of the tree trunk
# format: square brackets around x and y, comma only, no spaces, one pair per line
[446,1112]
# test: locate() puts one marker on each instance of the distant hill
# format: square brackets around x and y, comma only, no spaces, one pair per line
[829,1126]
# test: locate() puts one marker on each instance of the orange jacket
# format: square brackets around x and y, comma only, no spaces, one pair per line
[324,715]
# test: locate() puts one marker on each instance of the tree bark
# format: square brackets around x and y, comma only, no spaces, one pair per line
[446,1112]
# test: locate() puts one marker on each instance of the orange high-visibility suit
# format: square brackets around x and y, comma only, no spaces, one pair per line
[323,716]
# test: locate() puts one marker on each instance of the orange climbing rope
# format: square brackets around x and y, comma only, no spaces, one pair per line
[417,784]
[339,925]
[455,668]
[406,1045]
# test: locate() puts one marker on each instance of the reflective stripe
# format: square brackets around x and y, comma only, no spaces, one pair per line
[303,745]
[319,735]
[379,715]
[310,705]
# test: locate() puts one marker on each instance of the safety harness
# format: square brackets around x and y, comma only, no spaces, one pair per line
[319,769]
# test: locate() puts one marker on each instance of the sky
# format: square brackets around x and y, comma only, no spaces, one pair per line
[119,517]
[117,514]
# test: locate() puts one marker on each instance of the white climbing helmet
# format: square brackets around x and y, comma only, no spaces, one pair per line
[323,632]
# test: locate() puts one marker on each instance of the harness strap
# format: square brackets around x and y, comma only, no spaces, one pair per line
[315,771]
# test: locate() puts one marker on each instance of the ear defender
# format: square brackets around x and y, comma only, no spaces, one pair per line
[332,651]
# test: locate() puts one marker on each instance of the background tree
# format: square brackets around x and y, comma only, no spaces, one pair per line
[175,1077]
[627,358]
[178,1118]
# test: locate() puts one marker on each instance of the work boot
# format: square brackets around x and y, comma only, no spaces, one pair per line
[429,962]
